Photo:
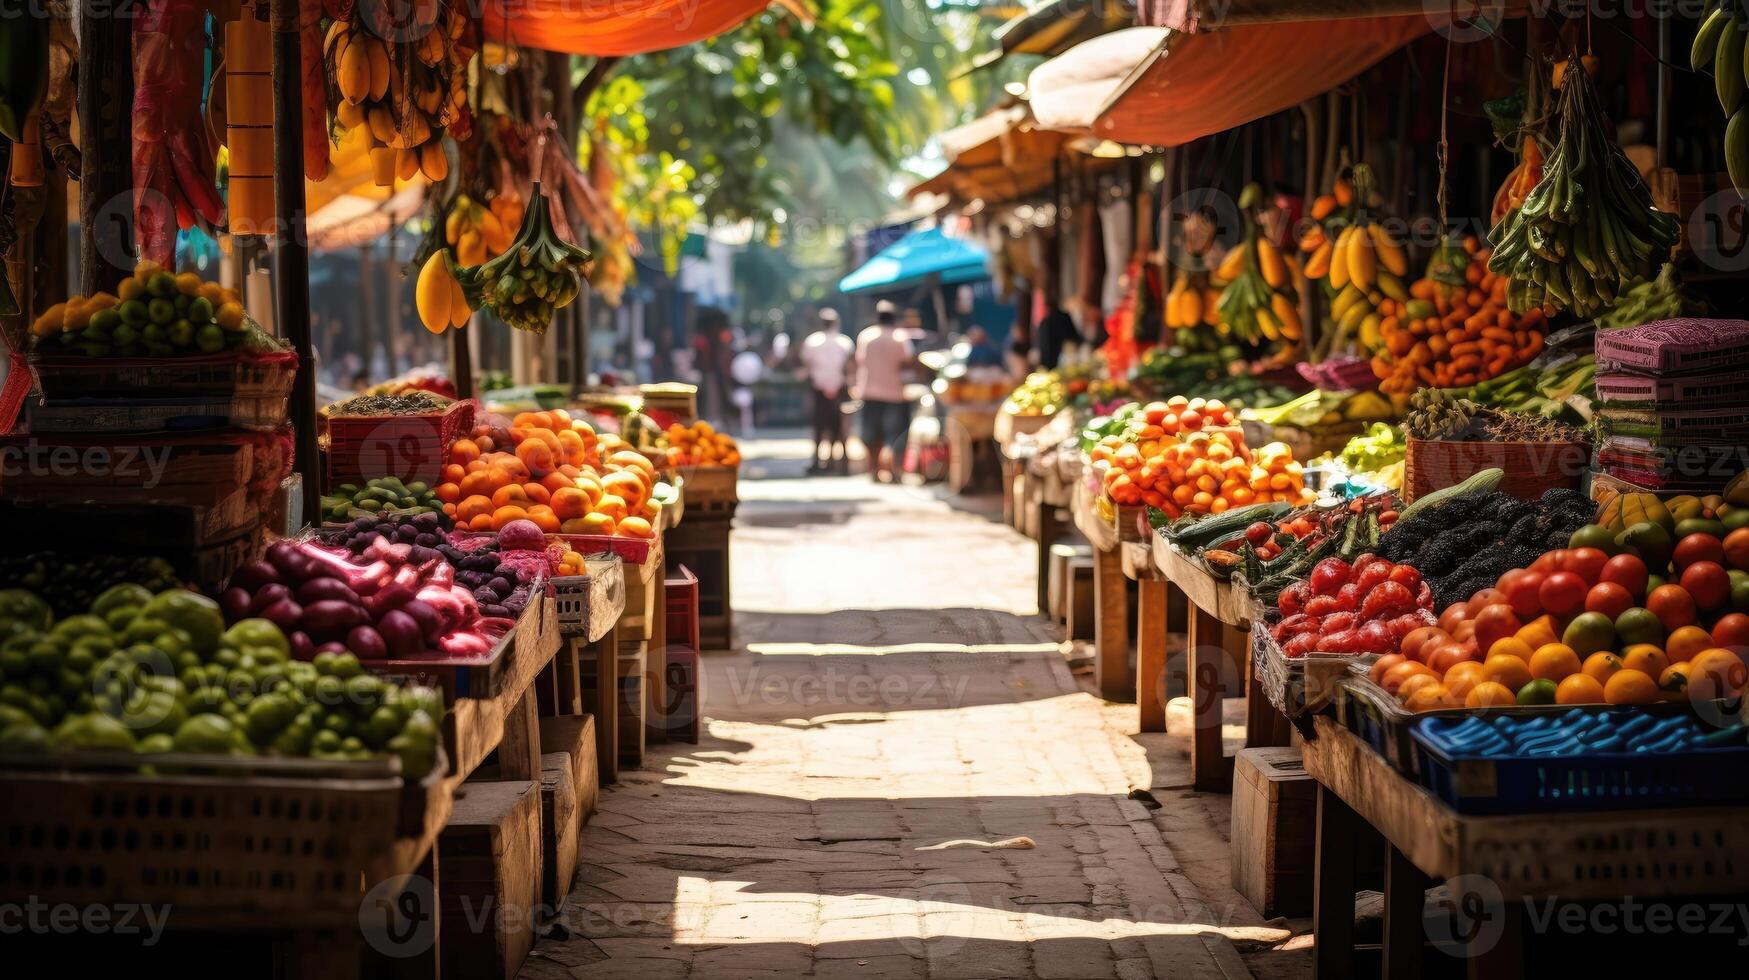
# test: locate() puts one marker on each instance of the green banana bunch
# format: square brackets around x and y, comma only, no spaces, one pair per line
[1660,299]
[1588,230]
[1721,46]
[538,274]
[24,66]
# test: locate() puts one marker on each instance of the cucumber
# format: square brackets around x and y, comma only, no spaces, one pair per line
[1219,526]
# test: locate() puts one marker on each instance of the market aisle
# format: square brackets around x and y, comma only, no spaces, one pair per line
[892,696]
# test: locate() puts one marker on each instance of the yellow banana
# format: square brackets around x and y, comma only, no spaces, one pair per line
[1211,308]
[1369,332]
[382,166]
[407,166]
[434,162]
[1191,306]
[1318,266]
[459,310]
[352,73]
[1393,287]
[1270,264]
[1390,253]
[1339,258]
[1362,263]
[1283,307]
[378,53]
[433,294]
[382,124]
[350,115]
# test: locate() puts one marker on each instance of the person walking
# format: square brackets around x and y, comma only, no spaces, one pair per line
[883,352]
[825,358]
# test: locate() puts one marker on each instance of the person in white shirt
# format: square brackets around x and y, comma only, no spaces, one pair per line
[825,359]
[883,352]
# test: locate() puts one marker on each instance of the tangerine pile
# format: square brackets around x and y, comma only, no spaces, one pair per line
[556,476]
[1183,456]
[699,444]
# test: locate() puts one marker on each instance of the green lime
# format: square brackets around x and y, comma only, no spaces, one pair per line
[1590,632]
[161,285]
[161,311]
[1539,691]
[200,310]
[1638,625]
[1594,536]
[210,338]
[134,313]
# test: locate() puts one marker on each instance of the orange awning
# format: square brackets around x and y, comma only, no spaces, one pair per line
[1199,84]
[612,27]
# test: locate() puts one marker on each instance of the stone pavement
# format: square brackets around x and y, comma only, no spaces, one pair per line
[891,706]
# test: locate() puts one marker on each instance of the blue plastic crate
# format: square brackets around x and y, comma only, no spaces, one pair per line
[1584,759]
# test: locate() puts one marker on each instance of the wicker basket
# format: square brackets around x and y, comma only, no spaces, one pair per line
[1531,467]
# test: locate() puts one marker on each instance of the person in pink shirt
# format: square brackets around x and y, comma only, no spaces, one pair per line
[883,354]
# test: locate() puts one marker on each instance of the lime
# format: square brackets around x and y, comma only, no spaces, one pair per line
[1594,536]
[200,310]
[162,284]
[1639,625]
[1539,691]
[210,338]
[134,313]
[1590,632]
[161,311]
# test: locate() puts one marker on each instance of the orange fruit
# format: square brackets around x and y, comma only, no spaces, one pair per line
[569,502]
[1405,690]
[556,481]
[1429,697]
[1600,665]
[1579,689]
[536,455]
[449,493]
[1539,632]
[1511,646]
[536,493]
[1716,673]
[636,527]
[1505,669]
[1489,694]
[504,515]
[1554,662]
[544,518]
[1462,678]
[1631,687]
[1645,658]
[507,495]
[474,506]
[1686,641]
[627,486]
[453,473]
[482,522]
[463,451]
[1674,681]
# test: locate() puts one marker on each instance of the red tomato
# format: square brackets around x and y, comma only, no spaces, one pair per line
[1448,655]
[1454,614]
[1587,563]
[1496,622]
[1486,597]
[1372,575]
[1408,576]
[1732,630]
[1629,572]
[1522,592]
[1609,598]
[1563,593]
[1698,547]
[1550,561]
[1673,606]
[1707,582]
[1736,545]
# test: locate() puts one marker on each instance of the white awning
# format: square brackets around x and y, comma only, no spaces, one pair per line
[1067,92]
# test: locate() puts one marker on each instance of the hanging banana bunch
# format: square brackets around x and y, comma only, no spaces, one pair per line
[1259,301]
[1192,302]
[1362,267]
[405,93]
[538,274]
[1722,47]
[1588,230]
[474,231]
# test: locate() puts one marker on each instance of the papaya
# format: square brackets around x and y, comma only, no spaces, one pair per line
[1629,509]
[1685,507]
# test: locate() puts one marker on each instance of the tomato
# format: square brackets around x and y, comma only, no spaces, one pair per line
[1259,533]
[1732,630]
[1587,563]
[1448,655]
[1563,594]
[1486,597]
[1698,547]
[1550,561]
[1736,545]
[1627,571]
[1372,576]
[1521,587]
[1609,598]
[1496,622]
[1382,664]
[1417,644]
[1707,582]
[1454,614]
[1673,606]
[1328,576]
[1408,576]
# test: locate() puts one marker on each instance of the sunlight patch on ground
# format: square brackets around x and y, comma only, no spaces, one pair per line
[854,649]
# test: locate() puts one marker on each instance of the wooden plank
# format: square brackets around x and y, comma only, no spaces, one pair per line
[1272,842]
[1152,625]
[1050,528]
[519,750]
[474,726]
[1210,768]
[1405,894]
[574,735]
[1111,627]
[491,858]
[656,668]
[559,827]
[1138,560]
[1333,888]
[606,706]
[1264,725]
[1213,595]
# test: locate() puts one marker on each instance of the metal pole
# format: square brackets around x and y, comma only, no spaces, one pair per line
[1663,112]
[106,106]
[292,281]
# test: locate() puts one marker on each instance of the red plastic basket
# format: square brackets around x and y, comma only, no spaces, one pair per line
[410,447]
[682,608]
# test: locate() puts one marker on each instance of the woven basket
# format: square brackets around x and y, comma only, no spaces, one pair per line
[1531,467]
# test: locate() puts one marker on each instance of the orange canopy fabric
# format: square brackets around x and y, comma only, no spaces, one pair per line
[612,27]
[1206,83]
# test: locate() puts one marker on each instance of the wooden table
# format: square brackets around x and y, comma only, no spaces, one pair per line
[1048,496]
[1219,624]
[1155,597]
[1499,861]
[1111,601]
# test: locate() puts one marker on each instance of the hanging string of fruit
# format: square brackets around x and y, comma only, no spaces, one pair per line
[1259,301]
[173,153]
[537,275]
[1587,231]
[1721,46]
[405,81]
[1361,266]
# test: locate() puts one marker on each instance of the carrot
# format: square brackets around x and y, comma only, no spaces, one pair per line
[1467,348]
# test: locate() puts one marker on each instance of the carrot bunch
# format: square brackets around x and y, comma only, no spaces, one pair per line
[554,476]
[1456,336]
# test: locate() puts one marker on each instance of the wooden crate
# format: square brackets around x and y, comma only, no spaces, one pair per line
[702,545]
[490,859]
[634,698]
[1274,816]
[575,735]
[559,827]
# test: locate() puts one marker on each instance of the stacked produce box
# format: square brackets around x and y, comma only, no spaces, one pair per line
[1672,409]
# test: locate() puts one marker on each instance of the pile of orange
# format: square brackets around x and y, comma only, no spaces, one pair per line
[554,476]
[699,444]
[1200,472]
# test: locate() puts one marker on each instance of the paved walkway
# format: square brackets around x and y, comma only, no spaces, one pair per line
[893,705]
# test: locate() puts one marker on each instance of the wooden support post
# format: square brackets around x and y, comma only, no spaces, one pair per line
[1210,768]
[1405,893]
[1048,529]
[1263,724]
[292,254]
[1111,627]
[1152,625]
[606,653]
[461,360]
[1333,888]
[106,113]
[519,750]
